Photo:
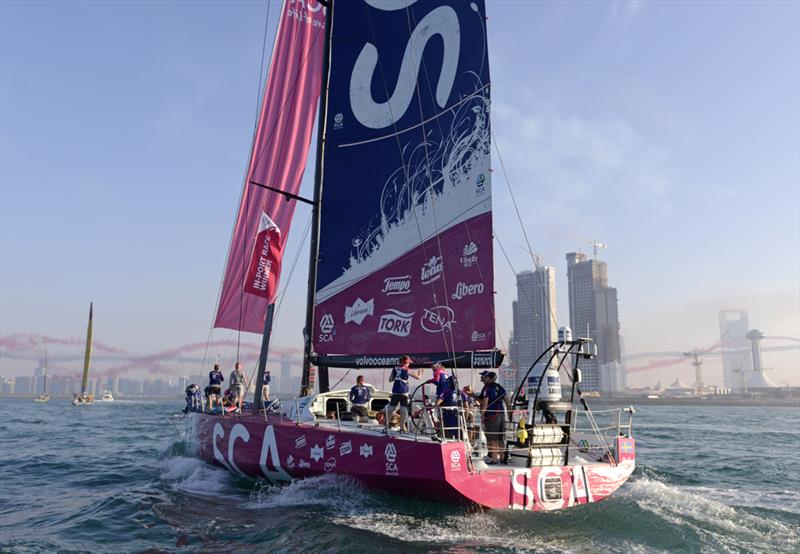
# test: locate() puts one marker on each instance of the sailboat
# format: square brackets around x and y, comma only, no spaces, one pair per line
[85,397]
[44,397]
[400,263]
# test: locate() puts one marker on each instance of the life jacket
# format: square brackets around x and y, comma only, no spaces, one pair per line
[399,376]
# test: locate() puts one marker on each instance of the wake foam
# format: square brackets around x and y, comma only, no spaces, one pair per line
[719,525]
[195,476]
[329,491]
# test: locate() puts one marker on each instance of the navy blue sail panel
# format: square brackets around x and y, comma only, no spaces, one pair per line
[405,248]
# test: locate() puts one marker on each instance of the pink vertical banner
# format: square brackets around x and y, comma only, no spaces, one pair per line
[278,160]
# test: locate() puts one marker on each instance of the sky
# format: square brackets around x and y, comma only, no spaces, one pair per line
[669,131]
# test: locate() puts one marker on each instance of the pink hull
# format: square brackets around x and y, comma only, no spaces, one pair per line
[278,449]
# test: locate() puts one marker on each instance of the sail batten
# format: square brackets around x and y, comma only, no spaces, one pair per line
[405,256]
[277,161]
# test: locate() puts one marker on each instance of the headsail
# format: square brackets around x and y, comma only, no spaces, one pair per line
[277,161]
[406,231]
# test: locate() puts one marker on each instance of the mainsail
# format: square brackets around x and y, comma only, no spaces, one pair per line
[405,257]
[277,162]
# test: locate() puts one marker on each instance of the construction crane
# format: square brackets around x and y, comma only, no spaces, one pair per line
[594,242]
[698,356]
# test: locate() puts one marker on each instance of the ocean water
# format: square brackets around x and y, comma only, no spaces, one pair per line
[119,478]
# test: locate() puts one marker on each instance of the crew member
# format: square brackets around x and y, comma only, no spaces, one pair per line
[214,389]
[237,384]
[399,399]
[449,399]
[359,399]
[493,397]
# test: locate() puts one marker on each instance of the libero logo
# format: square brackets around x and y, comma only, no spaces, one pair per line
[431,270]
[396,285]
[463,290]
[395,323]
[469,256]
[359,310]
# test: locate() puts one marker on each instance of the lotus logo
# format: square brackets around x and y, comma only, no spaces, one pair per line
[390,453]
[358,311]
[395,323]
[330,442]
[437,319]
[431,270]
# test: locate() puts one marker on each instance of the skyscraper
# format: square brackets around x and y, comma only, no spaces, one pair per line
[594,313]
[534,314]
[737,362]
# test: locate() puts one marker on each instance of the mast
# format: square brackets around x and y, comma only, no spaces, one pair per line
[44,391]
[258,399]
[88,353]
[305,384]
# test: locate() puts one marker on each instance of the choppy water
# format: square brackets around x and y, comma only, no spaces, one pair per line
[117,477]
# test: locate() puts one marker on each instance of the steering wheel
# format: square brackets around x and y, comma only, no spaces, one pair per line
[421,410]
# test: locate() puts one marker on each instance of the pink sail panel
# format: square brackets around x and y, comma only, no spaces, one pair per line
[278,160]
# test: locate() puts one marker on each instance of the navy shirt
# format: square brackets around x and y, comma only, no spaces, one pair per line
[400,378]
[215,377]
[360,395]
[494,395]
[449,397]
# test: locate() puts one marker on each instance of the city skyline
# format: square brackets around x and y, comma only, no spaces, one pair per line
[667,153]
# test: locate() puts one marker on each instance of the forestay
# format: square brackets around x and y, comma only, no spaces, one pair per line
[405,260]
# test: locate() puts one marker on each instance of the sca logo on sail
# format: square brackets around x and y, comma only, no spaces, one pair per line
[327,328]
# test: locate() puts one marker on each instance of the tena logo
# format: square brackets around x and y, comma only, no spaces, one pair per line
[395,323]
[469,256]
[463,290]
[359,310]
[431,270]
[327,328]
[437,319]
[330,465]
[396,285]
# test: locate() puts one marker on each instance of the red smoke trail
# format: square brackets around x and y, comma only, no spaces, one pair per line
[29,342]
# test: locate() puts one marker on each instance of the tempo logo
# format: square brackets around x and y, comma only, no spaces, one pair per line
[396,285]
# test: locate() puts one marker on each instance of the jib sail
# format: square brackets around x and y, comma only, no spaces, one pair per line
[277,161]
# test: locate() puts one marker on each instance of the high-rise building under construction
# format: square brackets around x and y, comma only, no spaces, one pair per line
[594,313]
[737,362]
[534,314]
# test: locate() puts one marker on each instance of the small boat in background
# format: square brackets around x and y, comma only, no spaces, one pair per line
[44,397]
[86,397]
[107,396]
